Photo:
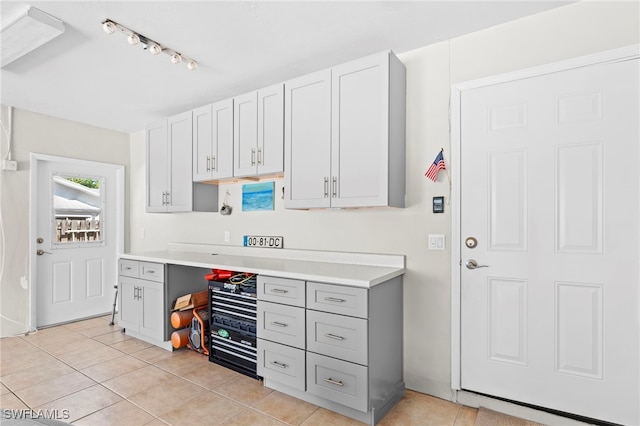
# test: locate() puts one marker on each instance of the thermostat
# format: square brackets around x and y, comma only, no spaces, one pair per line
[438,204]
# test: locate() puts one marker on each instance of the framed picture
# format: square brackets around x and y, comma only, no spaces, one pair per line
[257,196]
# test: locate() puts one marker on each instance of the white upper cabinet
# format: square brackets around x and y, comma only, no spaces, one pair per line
[307,139]
[213,141]
[169,180]
[345,135]
[258,132]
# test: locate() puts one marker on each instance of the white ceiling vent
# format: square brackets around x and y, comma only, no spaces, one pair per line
[25,31]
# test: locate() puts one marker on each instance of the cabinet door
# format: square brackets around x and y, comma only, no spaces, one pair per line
[360,132]
[307,138]
[222,153]
[129,307]
[245,134]
[202,143]
[157,164]
[270,154]
[151,310]
[181,177]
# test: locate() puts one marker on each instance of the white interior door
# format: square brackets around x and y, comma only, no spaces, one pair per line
[77,211]
[550,195]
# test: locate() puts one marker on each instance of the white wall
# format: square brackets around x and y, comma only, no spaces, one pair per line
[46,135]
[570,31]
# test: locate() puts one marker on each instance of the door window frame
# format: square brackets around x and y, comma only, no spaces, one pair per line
[117,221]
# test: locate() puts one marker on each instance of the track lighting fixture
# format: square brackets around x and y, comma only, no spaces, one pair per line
[152,46]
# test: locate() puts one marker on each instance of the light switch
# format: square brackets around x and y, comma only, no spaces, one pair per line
[436,242]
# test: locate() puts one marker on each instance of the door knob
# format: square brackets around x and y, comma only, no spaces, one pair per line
[472,264]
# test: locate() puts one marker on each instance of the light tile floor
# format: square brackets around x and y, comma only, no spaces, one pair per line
[90,373]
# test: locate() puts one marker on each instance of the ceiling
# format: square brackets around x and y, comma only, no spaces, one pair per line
[90,77]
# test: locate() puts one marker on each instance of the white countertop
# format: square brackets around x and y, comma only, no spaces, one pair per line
[352,269]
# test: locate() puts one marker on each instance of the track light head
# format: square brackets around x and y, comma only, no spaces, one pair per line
[155,49]
[133,39]
[192,65]
[176,58]
[109,27]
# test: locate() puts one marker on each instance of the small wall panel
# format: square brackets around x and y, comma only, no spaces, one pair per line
[95,278]
[579,345]
[579,198]
[61,282]
[508,201]
[508,320]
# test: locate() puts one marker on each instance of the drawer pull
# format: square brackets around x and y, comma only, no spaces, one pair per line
[334,299]
[333,382]
[279,364]
[127,268]
[333,336]
[278,290]
[279,324]
[149,271]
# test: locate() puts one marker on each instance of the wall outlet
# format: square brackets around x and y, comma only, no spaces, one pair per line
[9,165]
[24,282]
[226,236]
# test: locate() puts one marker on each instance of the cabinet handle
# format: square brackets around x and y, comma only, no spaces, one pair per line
[279,290]
[208,163]
[334,190]
[279,364]
[213,162]
[326,187]
[253,156]
[333,382]
[334,299]
[333,336]
[168,198]
[141,293]
[135,292]
[259,155]
[163,198]
[279,324]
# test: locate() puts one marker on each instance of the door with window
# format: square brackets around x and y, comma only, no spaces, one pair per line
[550,227]
[78,219]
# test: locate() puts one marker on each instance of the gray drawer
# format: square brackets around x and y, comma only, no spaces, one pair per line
[281,290]
[129,268]
[338,299]
[337,336]
[338,381]
[152,271]
[281,323]
[282,364]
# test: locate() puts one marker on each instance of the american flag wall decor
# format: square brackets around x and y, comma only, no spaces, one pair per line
[436,166]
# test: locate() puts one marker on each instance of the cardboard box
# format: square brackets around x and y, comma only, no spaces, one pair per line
[190,301]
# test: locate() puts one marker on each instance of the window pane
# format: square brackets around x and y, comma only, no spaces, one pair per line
[78,205]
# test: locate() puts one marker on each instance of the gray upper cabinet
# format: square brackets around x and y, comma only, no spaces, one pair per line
[345,135]
[213,141]
[170,185]
[169,176]
[258,141]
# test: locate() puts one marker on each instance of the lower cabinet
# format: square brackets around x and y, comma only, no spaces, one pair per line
[335,346]
[141,297]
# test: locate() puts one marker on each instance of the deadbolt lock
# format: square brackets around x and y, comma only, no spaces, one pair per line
[471,242]
[40,240]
